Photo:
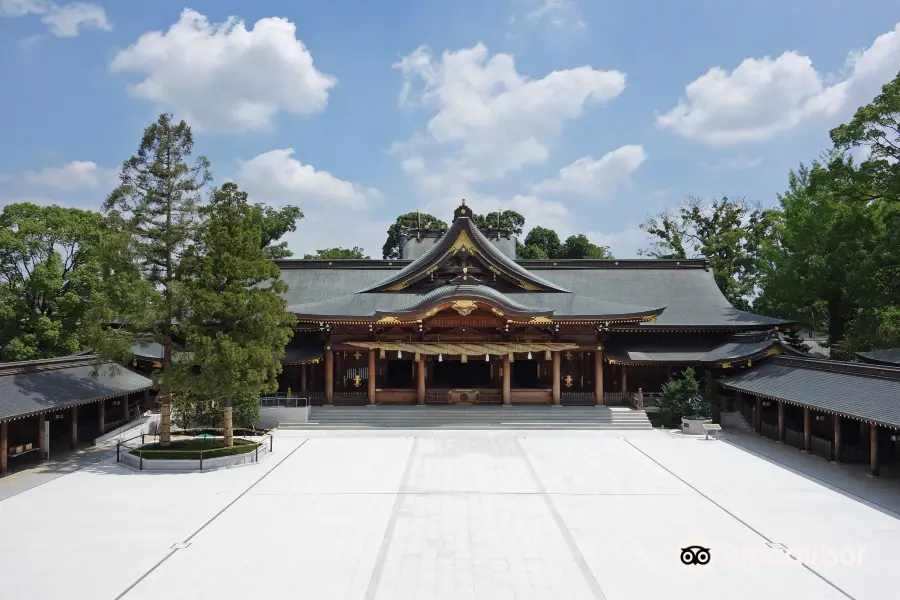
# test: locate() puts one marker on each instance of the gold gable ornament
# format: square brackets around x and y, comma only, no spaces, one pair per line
[464,307]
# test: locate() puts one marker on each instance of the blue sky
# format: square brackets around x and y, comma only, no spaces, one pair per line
[586,116]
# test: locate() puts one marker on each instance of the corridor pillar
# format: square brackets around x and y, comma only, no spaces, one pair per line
[42,442]
[781,421]
[329,376]
[303,368]
[556,395]
[420,380]
[102,410]
[624,379]
[837,438]
[75,427]
[873,449]
[372,376]
[757,416]
[598,377]
[4,447]
[807,430]
[506,380]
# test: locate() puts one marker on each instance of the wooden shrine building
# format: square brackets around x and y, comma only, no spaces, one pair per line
[460,320]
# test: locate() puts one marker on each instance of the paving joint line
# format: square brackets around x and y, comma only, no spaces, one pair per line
[589,578]
[736,518]
[202,527]
[387,538]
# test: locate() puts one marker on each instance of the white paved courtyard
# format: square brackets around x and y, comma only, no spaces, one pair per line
[493,515]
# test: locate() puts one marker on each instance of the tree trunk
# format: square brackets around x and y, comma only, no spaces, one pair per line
[836,323]
[228,424]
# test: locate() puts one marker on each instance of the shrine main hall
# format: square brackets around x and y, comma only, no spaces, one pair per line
[458,320]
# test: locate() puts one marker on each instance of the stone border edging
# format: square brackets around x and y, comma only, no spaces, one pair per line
[190,465]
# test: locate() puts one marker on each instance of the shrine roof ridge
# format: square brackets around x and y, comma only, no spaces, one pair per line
[531,264]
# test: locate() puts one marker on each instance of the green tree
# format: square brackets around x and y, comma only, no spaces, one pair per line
[821,255]
[410,220]
[875,128]
[157,207]
[681,398]
[712,398]
[49,269]
[274,223]
[237,328]
[530,252]
[507,219]
[579,246]
[545,240]
[729,233]
[339,253]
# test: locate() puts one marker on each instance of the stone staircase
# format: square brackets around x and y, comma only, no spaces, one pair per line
[736,421]
[473,417]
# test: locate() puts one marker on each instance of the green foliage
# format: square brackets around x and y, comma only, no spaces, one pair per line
[329,253]
[875,128]
[50,266]
[237,327]
[681,398]
[156,207]
[792,338]
[508,219]
[193,448]
[191,411]
[729,233]
[712,397]
[275,224]
[579,246]
[544,241]
[411,220]
[820,259]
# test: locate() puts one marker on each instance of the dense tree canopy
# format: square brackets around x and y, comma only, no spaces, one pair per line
[728,232]
[405,222]
[329,253]
[50,266]
[507,219]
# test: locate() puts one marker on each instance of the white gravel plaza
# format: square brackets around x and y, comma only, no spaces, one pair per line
[395,515]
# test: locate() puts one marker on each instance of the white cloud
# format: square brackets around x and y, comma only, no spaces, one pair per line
[763,97]
[64,20]
[75,175]
[277,178]
[562,14]
[224,77]
[4,177]
[489,120]
[595,178]
[622,244]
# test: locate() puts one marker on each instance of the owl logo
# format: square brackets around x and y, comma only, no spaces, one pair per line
[695,555]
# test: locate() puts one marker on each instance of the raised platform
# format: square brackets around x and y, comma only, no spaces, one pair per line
[473,417]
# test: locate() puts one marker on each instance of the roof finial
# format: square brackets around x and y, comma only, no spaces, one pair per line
[463,201]
[418,219]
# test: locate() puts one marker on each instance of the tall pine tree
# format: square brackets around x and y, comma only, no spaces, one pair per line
[157,207]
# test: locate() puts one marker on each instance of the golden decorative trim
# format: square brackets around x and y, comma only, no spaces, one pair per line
[463,241]
[497,311]
[528,286]
[464,307]
[540,321]
[388,321]
[726,365]
[397,286]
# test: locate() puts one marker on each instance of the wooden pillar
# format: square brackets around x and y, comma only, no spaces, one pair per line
[420,380]
[372,373]
[75,426]
[102,410]
[556,394]
[42,447]
[598,377]
[4,447]
[624,379]
[807,429]
[303,368]
[837,439]
[146,402]
[780,421]
[506,379]
[757,418]
[329,376]
[873,449]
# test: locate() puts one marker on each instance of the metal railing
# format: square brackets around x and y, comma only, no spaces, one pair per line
[127,450]
[620,399]
[273,401]
[770,431]
[821,446]
[793,438]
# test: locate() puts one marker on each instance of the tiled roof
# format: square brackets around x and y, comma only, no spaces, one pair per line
[32,387]
[862,392]
[889,356]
